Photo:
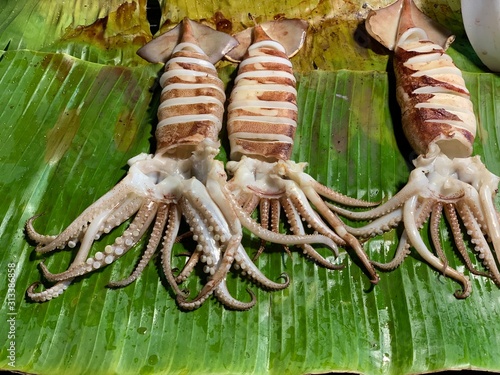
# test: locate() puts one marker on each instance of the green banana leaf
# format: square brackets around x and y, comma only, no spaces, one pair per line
[77,103]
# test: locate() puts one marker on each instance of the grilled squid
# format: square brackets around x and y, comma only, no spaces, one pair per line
[261,124]
[182,179]
[439,123]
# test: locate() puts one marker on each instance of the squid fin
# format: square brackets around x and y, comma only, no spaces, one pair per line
[387,24]
[214,43]
[290,33]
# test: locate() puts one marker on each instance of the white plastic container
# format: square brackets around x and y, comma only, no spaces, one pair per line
[482,25]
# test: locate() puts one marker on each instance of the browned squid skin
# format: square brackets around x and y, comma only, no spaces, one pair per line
[262,120]
[438,121]
[424,126]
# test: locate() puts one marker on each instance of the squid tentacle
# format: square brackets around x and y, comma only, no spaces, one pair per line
[415,239]
[402,251]
[59,288]
[435,218]
[39,239]
[49,293]
[122,244]
[297,228]
[174,222]
[267,235]
[417,184]
[299,201]
[423,211]
[222,294]
[243,263]
[264,206]
[479,242]
[377,226]
[488,207]
[154,240]
[188,268]
[452,218]
[215,279]
[109,203]
[335,196]
[341,230]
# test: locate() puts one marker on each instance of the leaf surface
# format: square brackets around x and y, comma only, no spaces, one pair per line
[75,109]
